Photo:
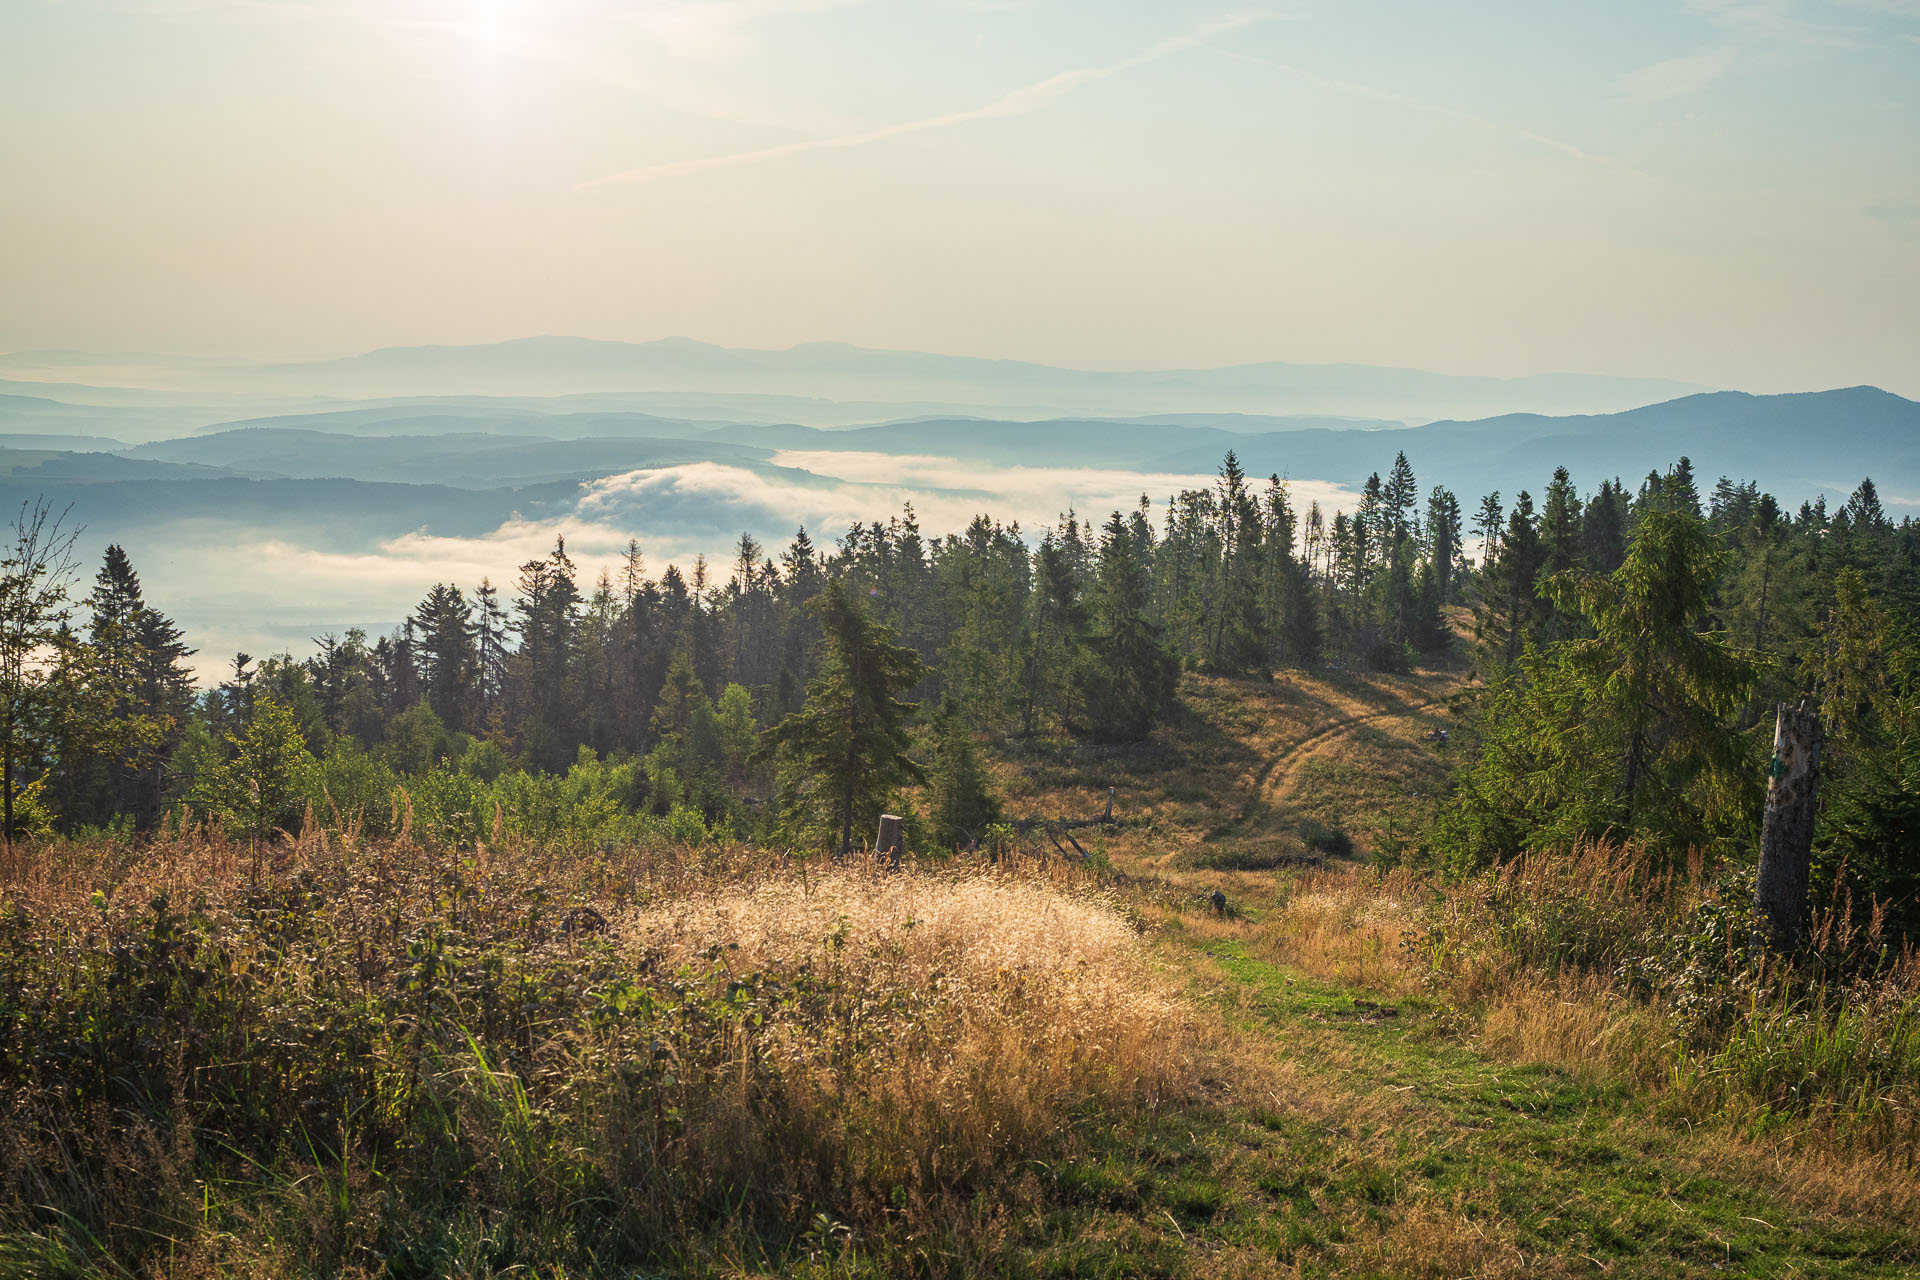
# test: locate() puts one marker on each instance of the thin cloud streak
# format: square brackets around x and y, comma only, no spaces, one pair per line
[1357,89]
[1676,77]
[1018,102]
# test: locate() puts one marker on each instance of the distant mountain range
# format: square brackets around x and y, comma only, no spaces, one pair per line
[1795,446]
[548,366]
[899,383]
[354,476]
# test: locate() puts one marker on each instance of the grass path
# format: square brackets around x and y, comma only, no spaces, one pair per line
[1546,1173]
[1362,1134]
[1379,1144]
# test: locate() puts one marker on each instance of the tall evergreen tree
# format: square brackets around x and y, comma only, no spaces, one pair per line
[445,653]
[1603,527]
[1054,639]
[1511,603]
[1397,500]
[1489,521]
[843,754]
[959,788]
[546,615]
[136,672]
[1131,679]
[1443,539]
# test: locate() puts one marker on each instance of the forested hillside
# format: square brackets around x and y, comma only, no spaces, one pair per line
[1718,605]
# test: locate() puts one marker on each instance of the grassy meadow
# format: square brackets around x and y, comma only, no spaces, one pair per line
[343,1055]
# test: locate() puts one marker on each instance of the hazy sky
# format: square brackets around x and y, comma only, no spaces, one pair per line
[1722,191]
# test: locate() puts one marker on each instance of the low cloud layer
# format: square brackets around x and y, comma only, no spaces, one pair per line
[234,590]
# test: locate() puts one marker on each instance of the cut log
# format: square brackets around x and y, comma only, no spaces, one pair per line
[1786,833]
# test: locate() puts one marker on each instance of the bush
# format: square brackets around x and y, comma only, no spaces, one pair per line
[1241,858]
[1322,839]
[384,1059]
[1829,1034]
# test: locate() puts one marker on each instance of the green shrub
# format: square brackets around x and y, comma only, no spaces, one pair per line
[1322,839]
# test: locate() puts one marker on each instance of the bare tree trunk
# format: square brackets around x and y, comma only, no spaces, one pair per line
[1786,834]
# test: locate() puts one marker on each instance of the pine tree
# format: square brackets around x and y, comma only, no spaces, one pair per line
[1488,523]
[844,752]
[1054,639]
[1443,539]
[960,790]
[445,654]
[546,616]
[1131,678]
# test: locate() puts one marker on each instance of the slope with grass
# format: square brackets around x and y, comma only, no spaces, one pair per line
[360,1057]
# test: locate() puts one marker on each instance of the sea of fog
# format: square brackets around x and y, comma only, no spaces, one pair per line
[235,588]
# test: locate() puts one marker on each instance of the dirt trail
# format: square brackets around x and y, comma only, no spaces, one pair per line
[1271,789]
[1277,784]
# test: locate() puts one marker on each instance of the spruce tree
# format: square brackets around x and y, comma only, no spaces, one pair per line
[960,790]
[1055,636]
[1603,527]
[136,680]
[1631,732]
[545,694]
[1488,523]
[1131,678]
[445,654]
[843,754]
[1511,606]
[1397,500]
[1443,539]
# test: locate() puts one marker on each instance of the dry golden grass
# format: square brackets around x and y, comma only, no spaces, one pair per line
[1426,1240]
[988,1002]
[1344,925]
[753,1040]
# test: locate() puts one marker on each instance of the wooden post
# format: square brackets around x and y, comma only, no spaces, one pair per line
[1786,833]
[891,840]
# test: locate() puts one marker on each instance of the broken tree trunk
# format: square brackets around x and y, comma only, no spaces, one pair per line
[891,840]
[1786,833]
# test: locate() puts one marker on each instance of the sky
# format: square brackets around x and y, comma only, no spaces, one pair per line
[1721,191]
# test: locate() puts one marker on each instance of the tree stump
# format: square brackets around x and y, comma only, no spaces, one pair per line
[1786,834]
[891,840]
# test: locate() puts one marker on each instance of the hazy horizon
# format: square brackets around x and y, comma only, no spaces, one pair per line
[1720,192]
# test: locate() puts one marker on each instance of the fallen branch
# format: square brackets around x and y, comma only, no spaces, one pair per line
[1070,824]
